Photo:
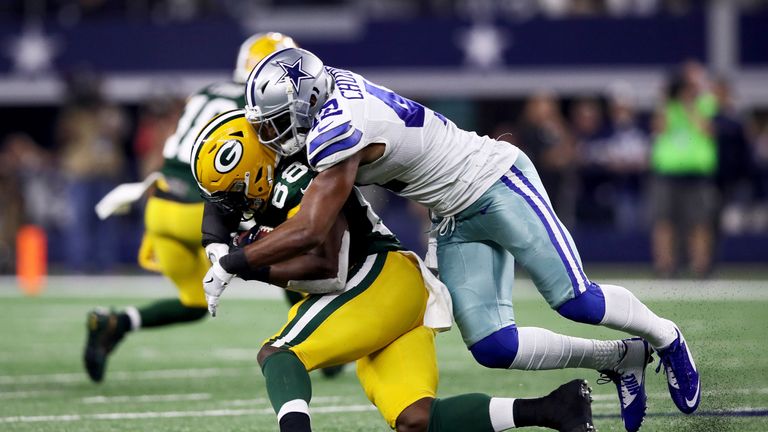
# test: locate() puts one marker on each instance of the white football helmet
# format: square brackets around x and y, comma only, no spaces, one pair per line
[282,95]
[255,48]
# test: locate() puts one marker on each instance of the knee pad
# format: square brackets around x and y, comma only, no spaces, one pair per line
[497,350]
[587,308]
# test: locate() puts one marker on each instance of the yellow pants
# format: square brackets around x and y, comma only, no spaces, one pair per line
[171,245]
[376,321]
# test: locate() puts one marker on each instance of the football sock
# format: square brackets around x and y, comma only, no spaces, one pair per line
[502,413]
[289,390]
[468,412]
[623,311]
[295,422]
[124,323]
[535,412]
[165,312]
[541,349]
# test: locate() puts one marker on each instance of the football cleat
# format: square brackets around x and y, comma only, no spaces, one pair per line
[629,378]
[103,335]
[574,405]
[682,376]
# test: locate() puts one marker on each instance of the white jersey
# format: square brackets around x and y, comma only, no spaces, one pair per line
[427,158]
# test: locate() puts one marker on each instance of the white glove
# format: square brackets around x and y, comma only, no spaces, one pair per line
[214,283]
[214,251]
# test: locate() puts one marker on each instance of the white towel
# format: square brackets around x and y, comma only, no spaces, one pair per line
[439,313]
[118,200]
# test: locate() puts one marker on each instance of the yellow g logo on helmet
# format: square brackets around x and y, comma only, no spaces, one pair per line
[231,167]
[256,48]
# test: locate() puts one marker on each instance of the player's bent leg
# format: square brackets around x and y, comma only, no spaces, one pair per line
[339,328]
[479,276]
[399,375]
[567,408]
[334,329]
[105,331]
[497,350]
[288,387]
[623,311]
[548,253]
[185,265]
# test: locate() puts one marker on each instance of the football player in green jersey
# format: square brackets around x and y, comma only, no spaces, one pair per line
[174,211]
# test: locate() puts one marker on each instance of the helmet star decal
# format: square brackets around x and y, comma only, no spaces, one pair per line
[294,73]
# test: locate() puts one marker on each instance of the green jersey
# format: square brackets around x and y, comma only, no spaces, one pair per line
[367,233]
[200,108]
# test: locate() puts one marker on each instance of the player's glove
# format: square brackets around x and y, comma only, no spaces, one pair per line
[214,283]
[214,251]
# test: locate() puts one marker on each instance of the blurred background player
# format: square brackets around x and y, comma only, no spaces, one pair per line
[173,216]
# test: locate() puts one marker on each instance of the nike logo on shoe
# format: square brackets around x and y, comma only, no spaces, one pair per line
[629,389]
[692,403]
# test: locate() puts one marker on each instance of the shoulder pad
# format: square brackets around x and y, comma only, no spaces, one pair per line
[333,135]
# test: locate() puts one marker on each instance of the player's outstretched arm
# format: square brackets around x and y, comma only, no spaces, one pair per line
[305,231]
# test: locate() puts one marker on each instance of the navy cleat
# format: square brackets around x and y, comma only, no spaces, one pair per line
[682,376]
[104,334]
[629,378]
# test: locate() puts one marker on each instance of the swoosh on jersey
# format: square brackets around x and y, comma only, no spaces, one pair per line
[322,129]
[304,189]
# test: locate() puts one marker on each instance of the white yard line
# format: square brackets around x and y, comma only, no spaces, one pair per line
[143,286]
[147,398]
[76,377]
[175,414]
[156,287]
[239,412]
[24,394]
[717,392]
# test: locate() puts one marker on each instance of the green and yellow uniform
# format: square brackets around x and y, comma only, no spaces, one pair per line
[357,324]
[174,213]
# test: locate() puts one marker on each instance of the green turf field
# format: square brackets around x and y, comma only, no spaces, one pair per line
[203,377]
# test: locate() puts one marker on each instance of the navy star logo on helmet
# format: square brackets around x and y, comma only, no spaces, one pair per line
[294,72]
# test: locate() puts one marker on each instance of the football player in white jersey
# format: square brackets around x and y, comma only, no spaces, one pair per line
[491,210]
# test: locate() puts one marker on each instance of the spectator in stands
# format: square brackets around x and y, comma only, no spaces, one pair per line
[761,157]
[544,137]
[735,159]
[27,185]
[684,164]
[627,148]
[587,123]
[90,135]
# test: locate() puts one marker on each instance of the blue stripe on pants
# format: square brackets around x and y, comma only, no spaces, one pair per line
[559,226]
[564,255]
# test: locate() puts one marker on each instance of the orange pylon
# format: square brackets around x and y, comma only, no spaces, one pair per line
[31,259]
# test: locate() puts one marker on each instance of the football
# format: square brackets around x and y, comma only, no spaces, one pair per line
[244,238]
